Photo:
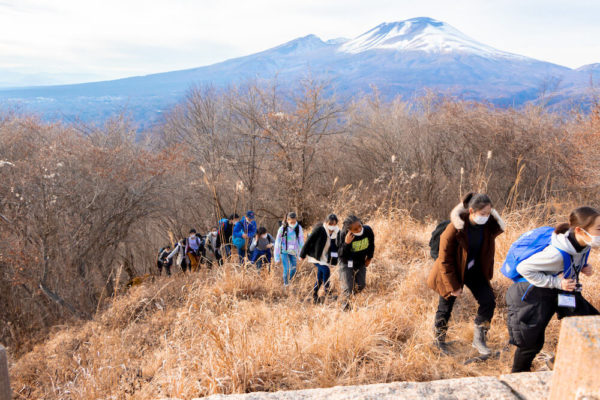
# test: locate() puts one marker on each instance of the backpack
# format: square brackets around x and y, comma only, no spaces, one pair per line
[434,242]
[527,245]
[223,224]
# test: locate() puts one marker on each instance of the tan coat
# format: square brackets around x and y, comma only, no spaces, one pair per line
[448,272]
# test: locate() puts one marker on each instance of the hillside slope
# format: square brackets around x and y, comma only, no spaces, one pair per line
[233,330]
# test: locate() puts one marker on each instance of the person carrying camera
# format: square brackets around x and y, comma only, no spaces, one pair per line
[550,284]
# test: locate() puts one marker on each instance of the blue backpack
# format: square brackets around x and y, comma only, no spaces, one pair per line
[528,244]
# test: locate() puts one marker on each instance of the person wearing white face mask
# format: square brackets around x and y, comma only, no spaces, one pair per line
[356,245]
[322,251]
[550,285]
[289,243]
[466,258]
[261,248]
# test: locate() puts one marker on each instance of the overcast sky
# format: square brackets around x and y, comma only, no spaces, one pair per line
[79,40]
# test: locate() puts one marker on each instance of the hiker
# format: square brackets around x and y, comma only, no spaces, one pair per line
[193,249]
[211,240]
[322,250]
[179,251]
[202,250]
[356,246]
[163,261]
[261,248]
[243,233]
[289,242]
[466,257]
[224,236]
[548,282]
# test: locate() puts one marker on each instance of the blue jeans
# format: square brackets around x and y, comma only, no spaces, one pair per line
[323,275]
[259,257]
[289,267]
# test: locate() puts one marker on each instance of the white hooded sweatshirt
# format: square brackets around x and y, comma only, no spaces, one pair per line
[544,269]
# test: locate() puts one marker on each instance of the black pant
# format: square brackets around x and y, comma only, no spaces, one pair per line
[166,264]
[483,293]
[530,310]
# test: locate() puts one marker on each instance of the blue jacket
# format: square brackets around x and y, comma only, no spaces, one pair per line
[243,226]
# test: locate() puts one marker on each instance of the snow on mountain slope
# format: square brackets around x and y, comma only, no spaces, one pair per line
[420,34]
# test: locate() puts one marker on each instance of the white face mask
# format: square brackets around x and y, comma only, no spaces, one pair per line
[480,219]
[264,236]
[293,226]
[362,230]
[595,242]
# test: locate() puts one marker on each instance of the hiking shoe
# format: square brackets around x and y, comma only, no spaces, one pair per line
[440,341]
[479,339]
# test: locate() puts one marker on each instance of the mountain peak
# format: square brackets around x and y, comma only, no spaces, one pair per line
[302,44]
[419,34]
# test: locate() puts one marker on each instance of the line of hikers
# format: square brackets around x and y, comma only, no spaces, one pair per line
[351,248]
[545,265]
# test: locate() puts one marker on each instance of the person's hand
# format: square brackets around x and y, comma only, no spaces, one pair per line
[244,236]
[457,293]
[588,270]
[349,237]
[270,246]
[568,285]
[368,262]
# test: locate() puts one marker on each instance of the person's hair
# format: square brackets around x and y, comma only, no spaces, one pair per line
[192,231]
[582,217]
[261,231]
[234,216]
[349,221]
[292,215]
[198,235]
[332,218]
[477,201]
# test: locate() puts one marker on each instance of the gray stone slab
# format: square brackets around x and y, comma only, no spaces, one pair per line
[530,385]
[449,389]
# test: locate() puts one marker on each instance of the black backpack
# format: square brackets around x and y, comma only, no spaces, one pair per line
[434,242]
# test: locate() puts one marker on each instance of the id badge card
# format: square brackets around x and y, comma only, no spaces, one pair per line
[566,300]
[350,264]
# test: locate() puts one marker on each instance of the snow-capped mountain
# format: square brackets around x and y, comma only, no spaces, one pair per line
[420,34]
[400,58]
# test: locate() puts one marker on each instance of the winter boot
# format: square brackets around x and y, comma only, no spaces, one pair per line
[479,337]
[439,340]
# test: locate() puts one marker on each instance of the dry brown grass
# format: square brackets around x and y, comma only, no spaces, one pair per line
[235,330]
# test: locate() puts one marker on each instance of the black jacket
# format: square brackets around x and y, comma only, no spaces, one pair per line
[359,250]
[224,235]
[315,244]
